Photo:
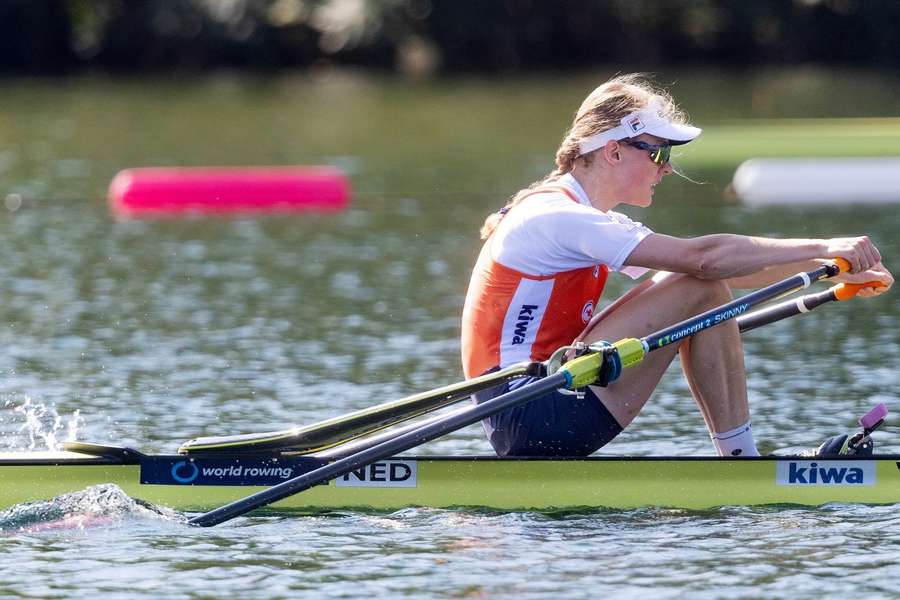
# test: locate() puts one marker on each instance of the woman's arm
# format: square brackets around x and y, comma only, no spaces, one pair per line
[728,256]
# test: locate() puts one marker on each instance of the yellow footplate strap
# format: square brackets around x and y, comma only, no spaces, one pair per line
[631,351]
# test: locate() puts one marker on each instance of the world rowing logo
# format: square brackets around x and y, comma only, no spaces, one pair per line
[248,470]
[192,469]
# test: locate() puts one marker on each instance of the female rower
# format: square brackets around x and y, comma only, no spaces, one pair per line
[546,257]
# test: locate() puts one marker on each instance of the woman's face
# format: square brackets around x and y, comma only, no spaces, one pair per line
[640,175]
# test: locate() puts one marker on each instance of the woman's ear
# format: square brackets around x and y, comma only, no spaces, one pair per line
[611,152]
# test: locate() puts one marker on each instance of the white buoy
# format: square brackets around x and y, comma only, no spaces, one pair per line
[763,181]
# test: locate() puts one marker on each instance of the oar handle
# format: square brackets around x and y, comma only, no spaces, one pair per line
[845,291]
[803,304]
[842,263]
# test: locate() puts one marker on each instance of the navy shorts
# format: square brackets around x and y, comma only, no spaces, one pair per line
[555,424]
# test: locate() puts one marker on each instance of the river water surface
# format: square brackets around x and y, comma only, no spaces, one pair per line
[151,333]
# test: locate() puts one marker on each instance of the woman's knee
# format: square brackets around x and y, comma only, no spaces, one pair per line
[703,293]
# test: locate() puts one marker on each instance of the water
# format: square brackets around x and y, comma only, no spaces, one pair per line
[422,553]
[150,333]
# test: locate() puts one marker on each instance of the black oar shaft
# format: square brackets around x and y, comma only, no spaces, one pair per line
[783,310]
[382,451]
[736,307]
[377,437]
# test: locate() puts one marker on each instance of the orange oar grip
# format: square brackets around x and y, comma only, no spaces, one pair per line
[842,263]
[845,291]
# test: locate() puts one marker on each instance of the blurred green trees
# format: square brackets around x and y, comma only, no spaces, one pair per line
[428,36]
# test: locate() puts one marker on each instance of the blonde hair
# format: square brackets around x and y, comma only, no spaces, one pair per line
[602,110]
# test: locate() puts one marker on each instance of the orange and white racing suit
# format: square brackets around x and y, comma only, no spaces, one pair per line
[536,283]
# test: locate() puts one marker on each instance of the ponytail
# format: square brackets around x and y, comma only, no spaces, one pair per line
[602,110]
[565,160]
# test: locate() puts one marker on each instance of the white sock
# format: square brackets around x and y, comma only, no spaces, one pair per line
[736,442]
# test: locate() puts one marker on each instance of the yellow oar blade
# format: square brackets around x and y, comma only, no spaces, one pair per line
[344,428]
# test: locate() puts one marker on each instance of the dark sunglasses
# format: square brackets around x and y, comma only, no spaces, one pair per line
[659,154]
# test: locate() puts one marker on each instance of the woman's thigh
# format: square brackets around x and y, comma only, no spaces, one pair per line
[664,303]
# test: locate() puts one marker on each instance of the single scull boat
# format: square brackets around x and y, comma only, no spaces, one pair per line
[352,462]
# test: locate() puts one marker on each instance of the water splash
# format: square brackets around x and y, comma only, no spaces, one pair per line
[95,506]
[41,428]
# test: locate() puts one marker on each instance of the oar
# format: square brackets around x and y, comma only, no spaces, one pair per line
[631,351]
[344,428]
[803,304]
[601,365]
[746,322]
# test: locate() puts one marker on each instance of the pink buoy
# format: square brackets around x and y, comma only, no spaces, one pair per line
[175,191]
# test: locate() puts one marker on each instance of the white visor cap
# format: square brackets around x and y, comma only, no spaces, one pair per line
[647,120]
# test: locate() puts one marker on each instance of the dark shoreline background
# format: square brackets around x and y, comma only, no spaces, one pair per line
[439,37]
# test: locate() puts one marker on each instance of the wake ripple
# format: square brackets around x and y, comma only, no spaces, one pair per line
[95,506]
